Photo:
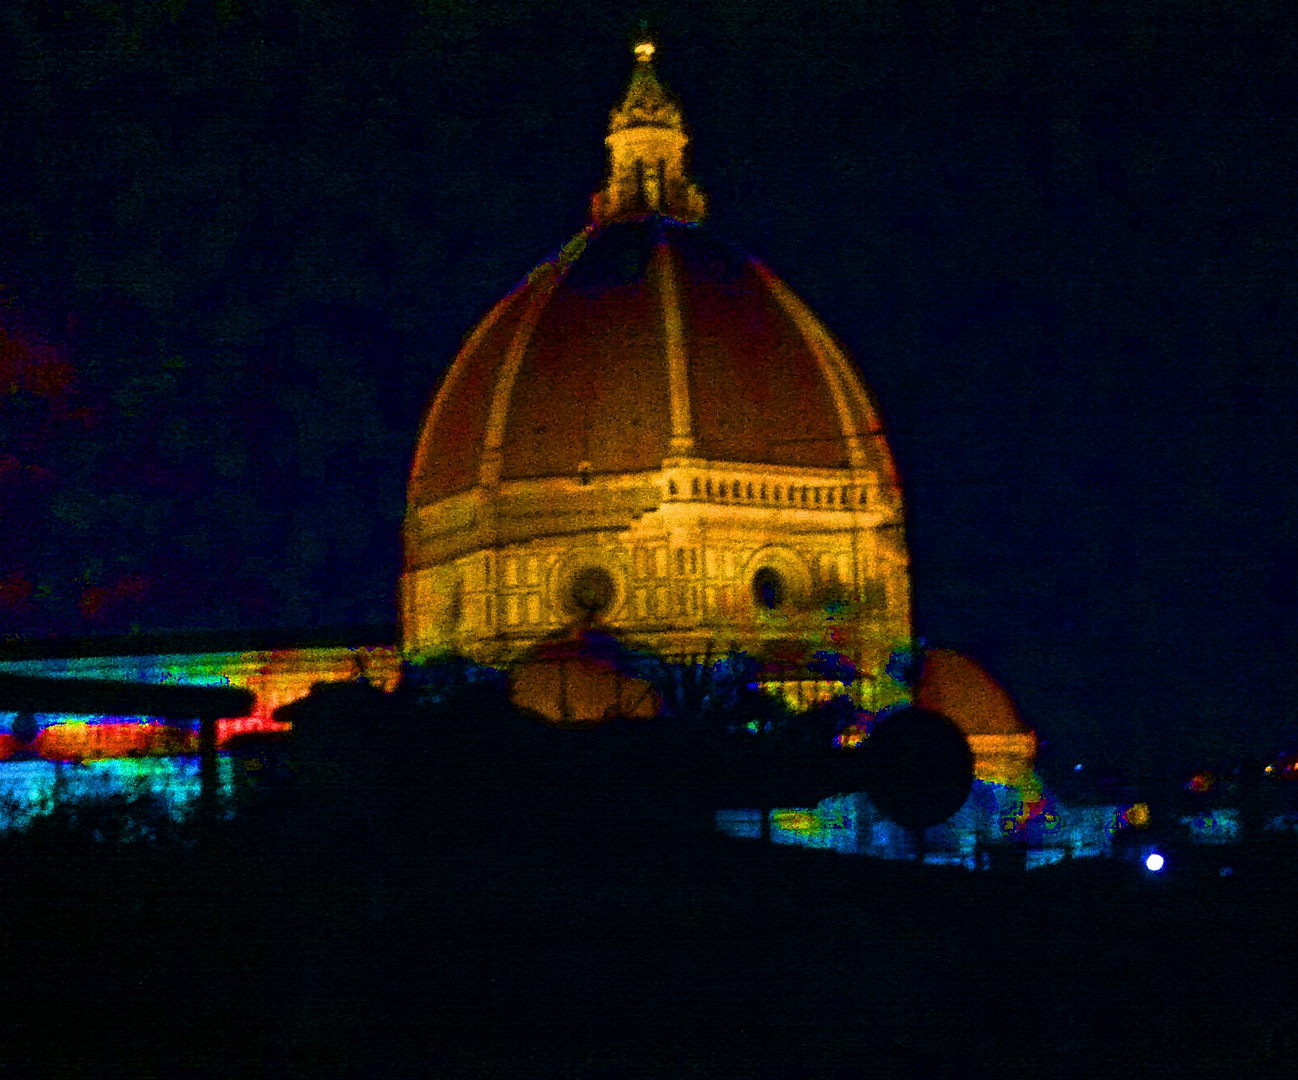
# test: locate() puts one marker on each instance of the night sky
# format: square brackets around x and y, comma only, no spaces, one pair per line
[240,242]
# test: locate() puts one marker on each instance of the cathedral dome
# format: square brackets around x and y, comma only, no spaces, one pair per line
[644,340]
[652,435]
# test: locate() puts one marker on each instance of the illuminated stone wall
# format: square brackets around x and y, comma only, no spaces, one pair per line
[686,569]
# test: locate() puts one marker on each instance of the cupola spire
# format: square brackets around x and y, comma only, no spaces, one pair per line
[646,152]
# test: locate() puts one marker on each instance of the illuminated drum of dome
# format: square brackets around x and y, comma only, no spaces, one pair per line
[652,432]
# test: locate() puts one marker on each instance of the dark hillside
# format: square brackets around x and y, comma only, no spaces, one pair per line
[504,921]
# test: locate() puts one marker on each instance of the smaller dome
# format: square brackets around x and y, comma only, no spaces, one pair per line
[582,680]
[959,688]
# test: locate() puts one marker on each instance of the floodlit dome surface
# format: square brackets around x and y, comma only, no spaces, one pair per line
[572,372]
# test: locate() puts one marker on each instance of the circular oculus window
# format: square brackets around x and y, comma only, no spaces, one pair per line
[769,588]
[591,590]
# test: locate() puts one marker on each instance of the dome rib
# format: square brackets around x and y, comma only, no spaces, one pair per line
[543,283]
[447,456]
[598,396]
[832,365]
[678,362]
[758,393]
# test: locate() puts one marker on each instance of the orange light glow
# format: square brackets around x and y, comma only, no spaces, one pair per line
[796,820]
[78,740]
[958,687]
[275,678]
[850,737]
[81,741]
[1137,816]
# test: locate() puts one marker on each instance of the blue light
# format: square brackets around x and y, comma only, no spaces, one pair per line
[1077,767]
[1154,862]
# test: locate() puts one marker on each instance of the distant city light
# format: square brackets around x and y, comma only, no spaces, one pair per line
[1137,816]
[851,736]
[796,820]
[1154,862]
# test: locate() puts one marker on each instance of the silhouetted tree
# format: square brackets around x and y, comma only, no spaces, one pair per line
[917,767]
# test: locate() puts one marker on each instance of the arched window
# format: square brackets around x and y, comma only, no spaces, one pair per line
[769,590]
